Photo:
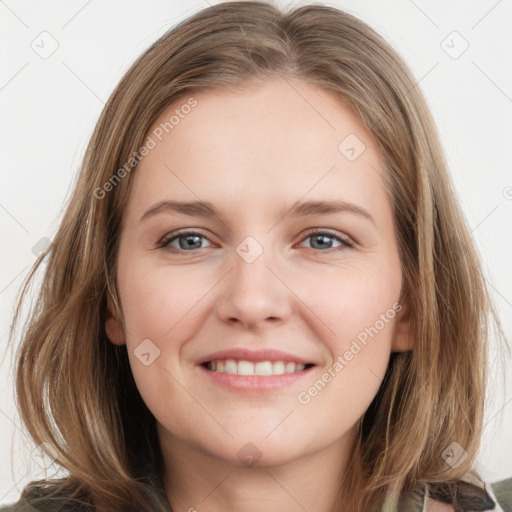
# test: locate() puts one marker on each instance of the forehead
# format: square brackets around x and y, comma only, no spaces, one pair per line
[278,140]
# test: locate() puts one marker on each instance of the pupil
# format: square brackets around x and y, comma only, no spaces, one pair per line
[190,239]
[322,238]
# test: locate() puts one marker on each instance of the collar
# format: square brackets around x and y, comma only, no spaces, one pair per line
[432,505]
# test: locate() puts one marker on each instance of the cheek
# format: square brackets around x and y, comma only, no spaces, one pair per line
[357,303]
[362,318]
[158,305]
[359,311]
[166,306]
[158,302]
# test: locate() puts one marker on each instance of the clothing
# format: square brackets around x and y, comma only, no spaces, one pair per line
[497,497]
[500,493]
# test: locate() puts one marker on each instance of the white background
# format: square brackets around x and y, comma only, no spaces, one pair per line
[49,108]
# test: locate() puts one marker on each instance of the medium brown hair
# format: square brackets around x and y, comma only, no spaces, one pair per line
[75,389]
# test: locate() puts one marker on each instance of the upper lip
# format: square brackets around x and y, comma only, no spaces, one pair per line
[245,354]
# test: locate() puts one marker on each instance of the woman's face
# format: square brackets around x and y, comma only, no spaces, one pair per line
[254,278]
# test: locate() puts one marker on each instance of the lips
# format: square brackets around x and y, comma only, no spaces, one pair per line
[254,371]
[253,356]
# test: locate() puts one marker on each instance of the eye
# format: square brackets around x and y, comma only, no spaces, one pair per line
[187,241]
[322,240]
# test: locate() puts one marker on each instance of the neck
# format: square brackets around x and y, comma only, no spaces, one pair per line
[195,480]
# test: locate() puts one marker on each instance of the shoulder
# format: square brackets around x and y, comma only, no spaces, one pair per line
[475,495]
[42,496]
[503,492]
[464,495]
[24,505]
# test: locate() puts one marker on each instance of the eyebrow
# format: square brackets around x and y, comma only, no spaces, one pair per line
[297,209]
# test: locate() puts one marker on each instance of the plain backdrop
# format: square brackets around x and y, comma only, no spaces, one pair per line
[60,60]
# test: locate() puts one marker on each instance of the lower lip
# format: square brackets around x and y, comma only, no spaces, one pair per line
[255,383]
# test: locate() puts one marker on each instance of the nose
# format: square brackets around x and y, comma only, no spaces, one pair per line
[254,293]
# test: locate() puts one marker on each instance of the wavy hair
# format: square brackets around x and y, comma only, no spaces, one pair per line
[75,390]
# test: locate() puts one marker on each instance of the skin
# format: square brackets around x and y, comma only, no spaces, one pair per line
[252,154]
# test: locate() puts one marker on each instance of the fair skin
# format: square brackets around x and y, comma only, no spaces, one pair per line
[252,154]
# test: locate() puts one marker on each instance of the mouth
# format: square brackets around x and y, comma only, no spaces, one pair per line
[260,368]
[259,377]
[240,369]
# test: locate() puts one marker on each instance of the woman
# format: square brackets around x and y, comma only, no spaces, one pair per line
[325,350]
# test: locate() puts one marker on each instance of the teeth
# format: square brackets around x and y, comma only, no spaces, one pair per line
[245,368]
[249,368]
[230,366]
[276,368]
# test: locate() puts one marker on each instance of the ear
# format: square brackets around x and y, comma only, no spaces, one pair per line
[402,338]
[113,326]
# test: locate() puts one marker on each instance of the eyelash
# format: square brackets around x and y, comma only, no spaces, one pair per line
[164,243]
